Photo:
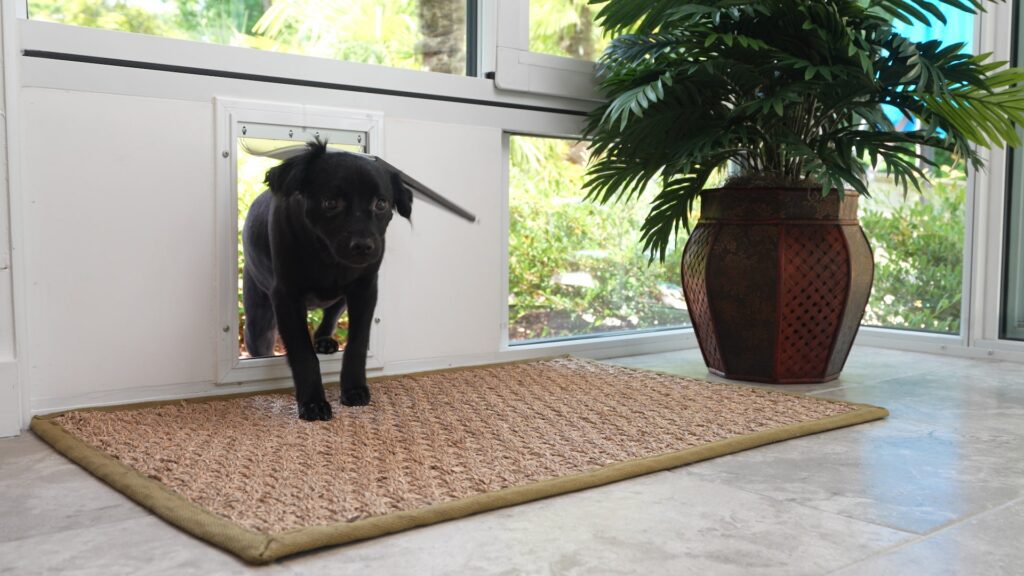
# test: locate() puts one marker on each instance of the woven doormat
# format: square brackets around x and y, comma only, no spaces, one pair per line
[243,473]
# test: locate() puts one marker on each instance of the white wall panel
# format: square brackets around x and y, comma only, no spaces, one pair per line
[441,279]
[119,232]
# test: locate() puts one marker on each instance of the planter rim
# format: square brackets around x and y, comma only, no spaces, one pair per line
[778,206]
[769,189]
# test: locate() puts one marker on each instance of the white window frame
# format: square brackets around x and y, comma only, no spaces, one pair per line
[231,114]
[995,35]
[517,69]
[90,44]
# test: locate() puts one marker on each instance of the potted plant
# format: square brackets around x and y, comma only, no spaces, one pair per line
[796,98]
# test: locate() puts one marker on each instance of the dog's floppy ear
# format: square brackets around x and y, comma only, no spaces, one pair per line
[288,177]
[405,187]
[402,194]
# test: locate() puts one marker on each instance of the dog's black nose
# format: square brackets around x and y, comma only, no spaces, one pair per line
[361,246]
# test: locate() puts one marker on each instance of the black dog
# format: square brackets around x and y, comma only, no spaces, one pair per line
[315,239]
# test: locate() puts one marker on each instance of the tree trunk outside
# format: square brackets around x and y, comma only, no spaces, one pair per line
[580,43]
[443,29]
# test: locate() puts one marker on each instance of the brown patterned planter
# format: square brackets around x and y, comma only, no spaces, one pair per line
[776,281]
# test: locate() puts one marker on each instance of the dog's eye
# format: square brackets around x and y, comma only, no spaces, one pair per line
[330,204]
[381,205]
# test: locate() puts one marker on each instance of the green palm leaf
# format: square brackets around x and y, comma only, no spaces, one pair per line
[790,88]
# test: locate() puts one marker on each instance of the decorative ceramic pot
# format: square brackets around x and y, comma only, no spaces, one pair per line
[776,282]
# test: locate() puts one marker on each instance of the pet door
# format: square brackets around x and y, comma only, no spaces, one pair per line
[261,147]
[253,137]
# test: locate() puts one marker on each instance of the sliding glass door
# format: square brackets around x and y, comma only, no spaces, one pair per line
[1012,322]
[1013,291]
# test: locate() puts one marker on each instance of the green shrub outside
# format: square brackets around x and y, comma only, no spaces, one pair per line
[918,245]
[576,267]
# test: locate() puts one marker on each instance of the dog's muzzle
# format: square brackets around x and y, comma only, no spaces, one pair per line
[357,251]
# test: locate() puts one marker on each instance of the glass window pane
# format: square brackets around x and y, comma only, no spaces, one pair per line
[918,243]
[918,240]
[576,268]
[416,34]
[565,28]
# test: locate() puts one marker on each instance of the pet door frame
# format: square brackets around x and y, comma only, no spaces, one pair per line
[235,119]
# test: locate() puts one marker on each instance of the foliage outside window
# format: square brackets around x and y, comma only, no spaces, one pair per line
[918,241]
[576,268]
[416,34]
[565,28]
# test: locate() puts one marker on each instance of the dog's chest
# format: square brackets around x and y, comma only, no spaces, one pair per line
[328,288]
[314,301]
[324,296]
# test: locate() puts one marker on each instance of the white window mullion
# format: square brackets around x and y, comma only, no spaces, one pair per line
[995,33]
[517,69]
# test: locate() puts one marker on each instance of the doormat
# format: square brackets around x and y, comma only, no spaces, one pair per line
[244,473]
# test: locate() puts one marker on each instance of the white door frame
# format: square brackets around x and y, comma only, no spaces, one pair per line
[12,406]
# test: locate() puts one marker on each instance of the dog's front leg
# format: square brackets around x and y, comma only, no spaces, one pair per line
[323,338]
[309,389]
[362,300]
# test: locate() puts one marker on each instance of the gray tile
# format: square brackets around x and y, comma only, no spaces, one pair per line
[26,444]
[952,447]
[1011,372]
[657,524]
[41,492]
[849,500]
[867,364]
[986,545]
[684,362]
[962,401]
[864,365]
[690,363]
[909,476]
[139,547]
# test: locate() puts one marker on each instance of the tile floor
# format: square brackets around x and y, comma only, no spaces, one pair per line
[938,488]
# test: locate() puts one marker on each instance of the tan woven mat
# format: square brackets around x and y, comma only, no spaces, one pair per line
[245,474]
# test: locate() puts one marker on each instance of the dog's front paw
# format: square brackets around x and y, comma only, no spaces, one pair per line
[325,345]
[355,395]
[315,410]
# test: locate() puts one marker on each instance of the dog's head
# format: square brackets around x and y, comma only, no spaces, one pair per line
[347,200]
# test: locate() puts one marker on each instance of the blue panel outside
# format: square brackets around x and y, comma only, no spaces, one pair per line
[959,27]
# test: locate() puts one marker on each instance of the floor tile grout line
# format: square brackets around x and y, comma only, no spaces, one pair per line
[801,504]
[932,533]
